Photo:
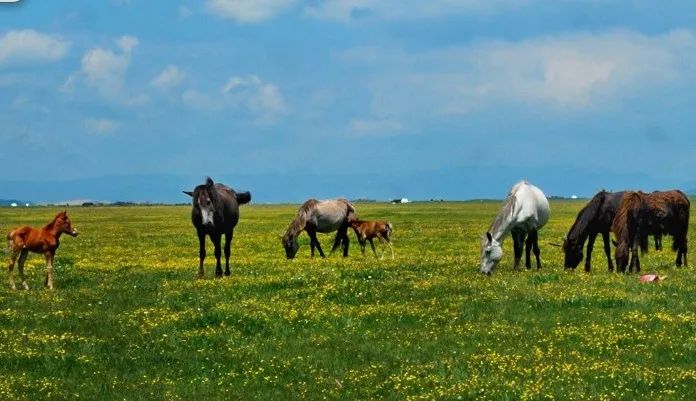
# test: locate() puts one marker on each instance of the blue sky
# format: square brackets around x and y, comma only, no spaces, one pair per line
[358,98]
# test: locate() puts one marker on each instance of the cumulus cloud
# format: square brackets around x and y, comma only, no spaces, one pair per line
[248,11]
[170,77]
[100,126]
[262,99]
[571,72]
[29,46]
[104,70]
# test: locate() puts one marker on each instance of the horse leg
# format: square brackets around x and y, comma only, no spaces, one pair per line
[218,253]
[48,283]
[313,240]
[681,250]
[517,247]
[535,245]
[528,250]
[20,265]
[362,241]
[374,250]
[607,250]
[201,253]
[346,242]
[337,241]
[10,267]
[228,251]
[590,246]
[658,241]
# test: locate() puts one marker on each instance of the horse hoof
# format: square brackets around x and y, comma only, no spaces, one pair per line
[25,286]
[227,273]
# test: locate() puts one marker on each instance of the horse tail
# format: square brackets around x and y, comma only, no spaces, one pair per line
[243,197]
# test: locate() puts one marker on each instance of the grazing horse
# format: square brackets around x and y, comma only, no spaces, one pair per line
[595,218]
[642,214]
[25,239]
[215,212]
[525,211]
[368,230]
[315,216]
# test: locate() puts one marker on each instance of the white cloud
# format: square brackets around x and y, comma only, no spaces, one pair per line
[29,45]
[170,77]
[127,43]
[262,99]
[248,10]
[104,71]
[100,126]
[570,72]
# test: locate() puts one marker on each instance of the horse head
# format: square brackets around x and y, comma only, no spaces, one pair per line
[63,223]
[290,245]
[205,201]
[491,254]
[572,250]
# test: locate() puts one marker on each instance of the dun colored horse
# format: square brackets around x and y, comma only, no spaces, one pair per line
[319,216]
[368,230]
[46,240]
[215,211]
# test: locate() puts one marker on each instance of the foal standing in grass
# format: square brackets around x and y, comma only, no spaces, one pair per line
[368,230]
[525,211]
[25,239]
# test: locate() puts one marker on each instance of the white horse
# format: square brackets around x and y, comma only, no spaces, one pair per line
[525,211]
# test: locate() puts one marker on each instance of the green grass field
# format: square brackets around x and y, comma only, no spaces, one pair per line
[129,321]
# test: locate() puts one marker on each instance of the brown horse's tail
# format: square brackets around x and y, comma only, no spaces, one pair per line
[243,197]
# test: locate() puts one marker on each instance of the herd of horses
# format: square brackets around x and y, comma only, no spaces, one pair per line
[631,216]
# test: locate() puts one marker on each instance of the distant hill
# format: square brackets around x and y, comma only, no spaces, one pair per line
[453,183]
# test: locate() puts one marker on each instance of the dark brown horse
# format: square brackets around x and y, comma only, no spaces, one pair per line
[640,215]
[215,212]
[46,240]
[593,219]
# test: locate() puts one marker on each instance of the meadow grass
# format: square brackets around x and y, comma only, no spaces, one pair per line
[129,321]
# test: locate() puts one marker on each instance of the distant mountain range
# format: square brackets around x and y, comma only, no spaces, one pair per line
[451,184]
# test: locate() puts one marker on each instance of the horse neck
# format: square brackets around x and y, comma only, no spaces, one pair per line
[52,229]
[581,228]
[298,224]
[502,225]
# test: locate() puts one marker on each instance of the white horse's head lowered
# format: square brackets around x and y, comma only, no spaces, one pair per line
[491,253]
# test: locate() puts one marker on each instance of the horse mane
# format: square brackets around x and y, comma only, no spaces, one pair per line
[507,209]
[580,228]
[301,217]
[629,218]
[55,219]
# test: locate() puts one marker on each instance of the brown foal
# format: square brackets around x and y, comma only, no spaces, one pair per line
[24,239]
[368,230]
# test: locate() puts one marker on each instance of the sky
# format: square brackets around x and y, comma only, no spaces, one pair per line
[291,99]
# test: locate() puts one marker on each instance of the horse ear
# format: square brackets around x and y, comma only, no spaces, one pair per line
[489,237]
[209,182]
[189,193]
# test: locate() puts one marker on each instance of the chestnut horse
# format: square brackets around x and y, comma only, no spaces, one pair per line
[25,239]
